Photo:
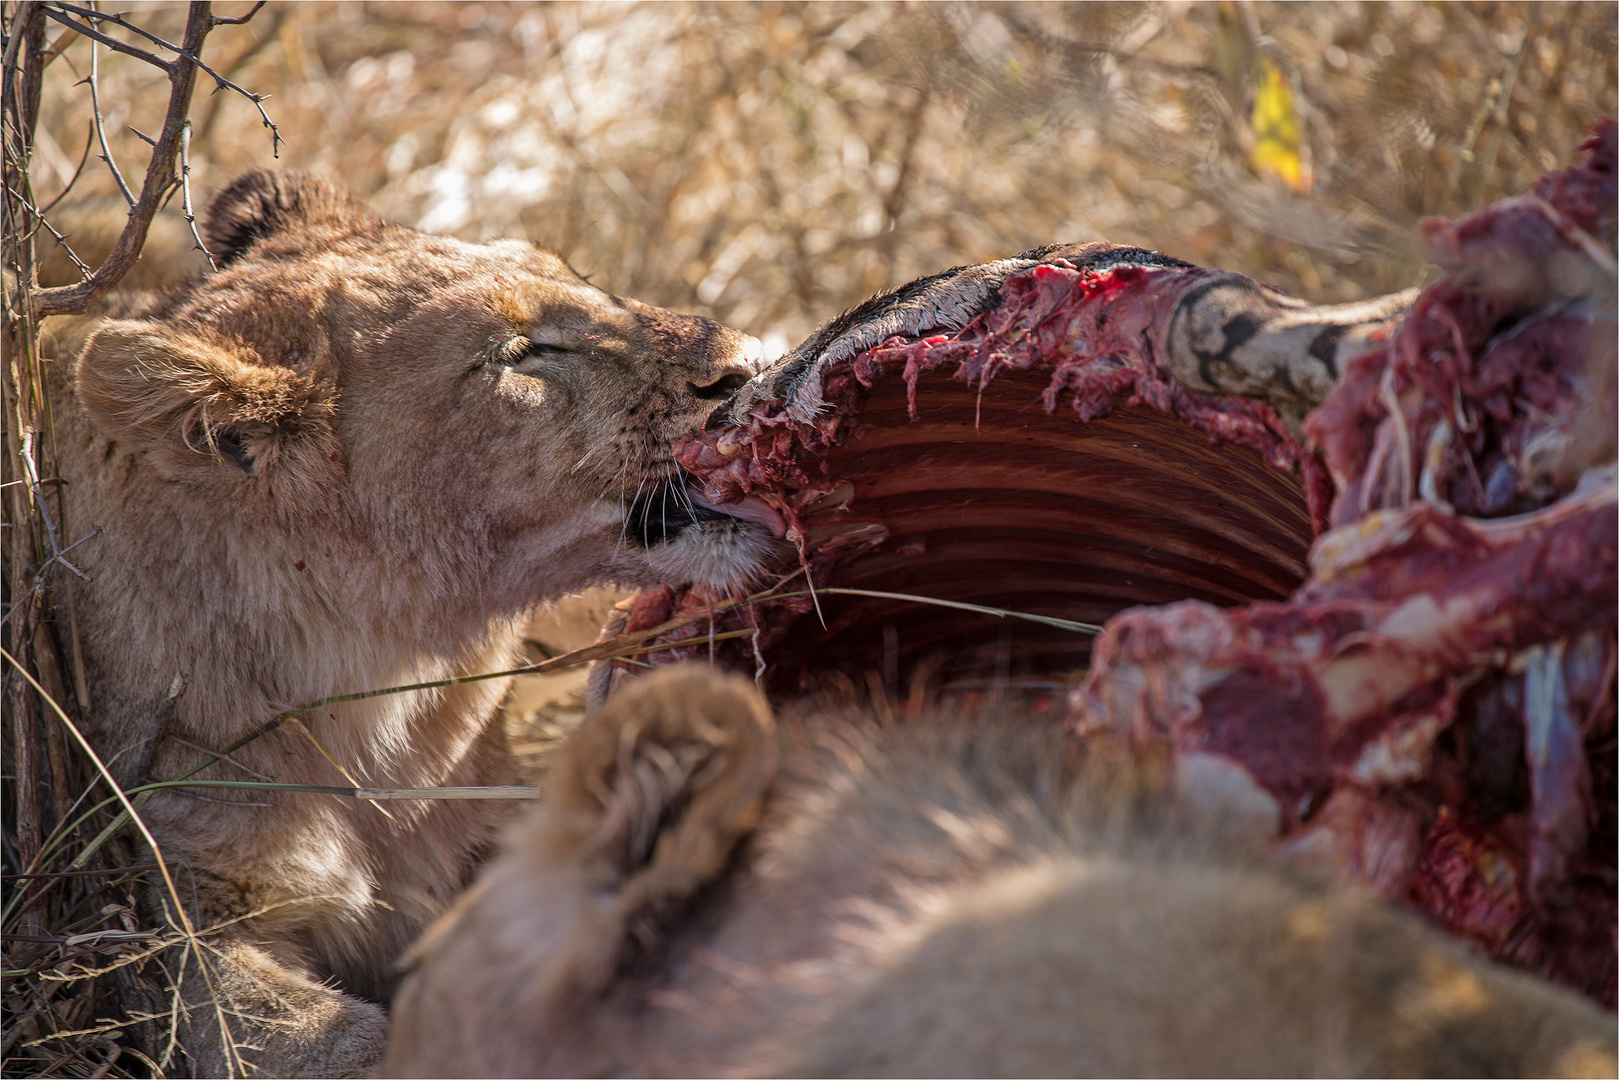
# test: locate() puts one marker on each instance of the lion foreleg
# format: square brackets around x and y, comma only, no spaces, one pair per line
[249,1015]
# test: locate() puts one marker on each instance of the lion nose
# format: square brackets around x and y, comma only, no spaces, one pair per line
[753,354]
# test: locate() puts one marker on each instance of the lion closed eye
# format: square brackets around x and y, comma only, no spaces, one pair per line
[352,458]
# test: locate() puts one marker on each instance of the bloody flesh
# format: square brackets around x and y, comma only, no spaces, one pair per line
[1433,711]
[1428,700]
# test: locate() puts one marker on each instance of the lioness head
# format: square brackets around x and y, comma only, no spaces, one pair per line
[477,413]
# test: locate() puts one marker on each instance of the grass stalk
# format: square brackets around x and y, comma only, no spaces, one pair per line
[193,943]
[1002,613]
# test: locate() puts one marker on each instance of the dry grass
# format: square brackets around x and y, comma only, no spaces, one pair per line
[769,165]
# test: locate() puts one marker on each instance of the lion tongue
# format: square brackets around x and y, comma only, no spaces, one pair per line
[751,508]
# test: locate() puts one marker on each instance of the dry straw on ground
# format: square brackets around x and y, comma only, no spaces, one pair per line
[765,164]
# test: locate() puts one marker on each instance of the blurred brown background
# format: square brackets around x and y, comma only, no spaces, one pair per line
[771,164]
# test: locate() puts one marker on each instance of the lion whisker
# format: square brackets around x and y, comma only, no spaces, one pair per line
[588,454]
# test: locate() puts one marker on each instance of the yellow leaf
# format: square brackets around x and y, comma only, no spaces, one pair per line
[1277,141]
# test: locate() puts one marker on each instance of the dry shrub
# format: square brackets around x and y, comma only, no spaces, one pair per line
[767,165]
[89,940]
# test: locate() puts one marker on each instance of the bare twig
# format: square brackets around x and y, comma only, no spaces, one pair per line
[266,36]
[57,552]
[50,12]
[57,558]
[239,20]
[118,20]
[39,218]
[192,54]
[1497,97]
[72,180]
[20,32]
[160,178]
[101,125]
[258,100]
[32,469]
[1128,55]
[185,194]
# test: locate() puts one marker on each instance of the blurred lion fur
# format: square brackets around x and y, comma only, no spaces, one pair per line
[950,895]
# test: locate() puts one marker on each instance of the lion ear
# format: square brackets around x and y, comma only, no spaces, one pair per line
[265,202]
[204,408]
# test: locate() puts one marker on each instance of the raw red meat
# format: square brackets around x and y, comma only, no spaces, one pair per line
[1434,709]
[1428,705]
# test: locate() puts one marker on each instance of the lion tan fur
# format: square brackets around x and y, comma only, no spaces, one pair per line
[945,897]
[352,458]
